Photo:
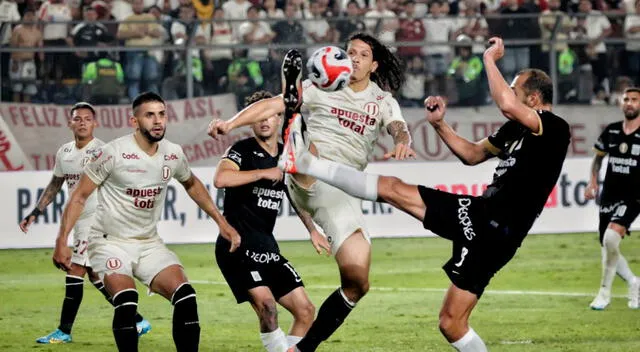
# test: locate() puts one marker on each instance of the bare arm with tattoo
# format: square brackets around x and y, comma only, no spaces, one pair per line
[401,139]
[317,239]
[592,188]
[54,186]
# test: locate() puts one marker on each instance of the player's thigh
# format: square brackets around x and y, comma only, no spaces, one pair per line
[81,231]
[297,302]
[112,261]
[262,300]
[401,195]
[282,277]
[77,270]
[458,304]
[604,218]
[168,280]
[354,259]
[159,268]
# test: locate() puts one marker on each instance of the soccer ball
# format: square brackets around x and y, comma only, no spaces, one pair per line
[329,68]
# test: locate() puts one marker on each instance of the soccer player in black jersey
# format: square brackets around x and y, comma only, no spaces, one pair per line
[257,272]
[620,199]
[486,231]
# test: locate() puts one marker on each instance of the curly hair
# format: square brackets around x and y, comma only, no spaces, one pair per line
[388,75]
[256,97]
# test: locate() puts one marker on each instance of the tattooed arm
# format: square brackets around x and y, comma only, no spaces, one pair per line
[54,186]
[401,139]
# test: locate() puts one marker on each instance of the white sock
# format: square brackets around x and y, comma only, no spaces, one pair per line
[611,243]
[623,270]
[292,340]
[275,341]
[357,183]
[470,342]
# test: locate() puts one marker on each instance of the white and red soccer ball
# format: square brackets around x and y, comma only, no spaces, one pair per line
[329,68]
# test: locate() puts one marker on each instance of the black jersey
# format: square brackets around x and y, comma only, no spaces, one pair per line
[528,171]
[622,180]
[252,208]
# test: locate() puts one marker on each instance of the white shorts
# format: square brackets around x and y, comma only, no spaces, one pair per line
[81,232]
[22,75]
[141,259]
[337,213]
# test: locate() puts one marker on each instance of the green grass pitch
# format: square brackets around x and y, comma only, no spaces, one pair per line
[538,302]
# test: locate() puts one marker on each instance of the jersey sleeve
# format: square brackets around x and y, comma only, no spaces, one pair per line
[309,93]
[391,111]
[101,164]
[235,153]
[57,168]
[505,134]
[182,172]
[600,146]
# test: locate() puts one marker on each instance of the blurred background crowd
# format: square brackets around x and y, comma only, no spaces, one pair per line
[107,51]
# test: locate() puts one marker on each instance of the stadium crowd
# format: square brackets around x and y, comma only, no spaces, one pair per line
[588,72]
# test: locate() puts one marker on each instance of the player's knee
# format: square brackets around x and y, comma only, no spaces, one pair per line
[611,240]
[448,324]
[125,304]
[388,187]
[355,289]
[268,314]
[305,313]
[185,305]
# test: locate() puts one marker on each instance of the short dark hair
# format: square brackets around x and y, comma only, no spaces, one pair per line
[257,96]
[538,81]
[145,97]
[82,105]
[632,90]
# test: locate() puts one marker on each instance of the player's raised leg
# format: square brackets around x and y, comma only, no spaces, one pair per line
[172,284]
[297,302]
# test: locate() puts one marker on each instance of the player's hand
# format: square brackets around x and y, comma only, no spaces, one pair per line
[273,174]
[591,191]
[217,127]
[400,152]
[435,107]
[230,234]
[26,222]
[496,49]
[320,242]
[62,256]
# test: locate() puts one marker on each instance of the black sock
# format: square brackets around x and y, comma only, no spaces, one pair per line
[186,326]
[74,287]
[99,285]
[332,313]
[124,324]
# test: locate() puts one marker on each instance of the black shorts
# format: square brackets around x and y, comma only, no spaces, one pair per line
[623,213]
[481,246]
[246,269]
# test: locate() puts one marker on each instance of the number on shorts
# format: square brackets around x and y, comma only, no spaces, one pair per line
[293,271]
[464,253]
[80,247]
[620,211]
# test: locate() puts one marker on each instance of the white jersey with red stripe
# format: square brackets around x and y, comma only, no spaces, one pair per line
[344,125]
[132,186]
[70,162]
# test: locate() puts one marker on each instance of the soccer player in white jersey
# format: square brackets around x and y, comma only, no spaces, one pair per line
[70,160]
[343,126]
[131,175]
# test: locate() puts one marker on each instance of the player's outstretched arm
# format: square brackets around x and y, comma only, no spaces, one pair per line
[468,152]
[70,215]
[592,188]
[502,94]
[201,196]
[256,112]
[228,174]
[54,186]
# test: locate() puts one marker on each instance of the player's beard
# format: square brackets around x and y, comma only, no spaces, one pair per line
[151,138]
[632,114]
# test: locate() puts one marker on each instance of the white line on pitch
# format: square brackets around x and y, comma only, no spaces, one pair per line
[429,289]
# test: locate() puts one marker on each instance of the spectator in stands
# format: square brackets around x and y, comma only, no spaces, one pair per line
[383,23]
[256,32]
[473,24]
[352,23]
[217,60]
[90,33]
[8,13]
[204,9]
[547,22]
[236,10]
[466,70]
[103,81]
[316,27]
[142,67]
[121,9]
[440,28]
[22,66]
[632,31]
[595,27]
[103,10]
[363,5]
[182,31]
[516,57]
[415,83]
[411,30]
[289,30]
[245,76]
[270,10]
[622,83]
[57,65]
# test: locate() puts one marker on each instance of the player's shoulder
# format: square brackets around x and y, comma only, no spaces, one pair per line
[168,147]
[66,148]
[245,143]
[614,127]
[379,93]
[556,122]
[97,143]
